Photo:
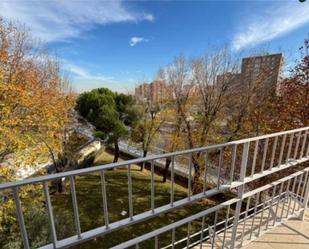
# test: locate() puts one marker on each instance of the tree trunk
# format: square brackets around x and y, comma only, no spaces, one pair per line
[143,163]
[116,152]
[197,185]
[166,169]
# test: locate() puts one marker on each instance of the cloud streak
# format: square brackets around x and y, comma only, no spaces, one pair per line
[83,74]
[271,24]
[59,20]
[135,40]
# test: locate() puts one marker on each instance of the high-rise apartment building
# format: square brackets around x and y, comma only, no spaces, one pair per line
[265,71]
[155,91]
[261,72]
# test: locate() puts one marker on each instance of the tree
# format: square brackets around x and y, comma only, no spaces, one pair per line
[147,127]
[200,99]
[293,102]
[34,112]
[110,113]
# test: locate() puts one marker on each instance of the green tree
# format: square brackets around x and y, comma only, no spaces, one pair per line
[111,113]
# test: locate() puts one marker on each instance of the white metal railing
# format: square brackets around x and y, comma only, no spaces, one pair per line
[238,163]
[285,198]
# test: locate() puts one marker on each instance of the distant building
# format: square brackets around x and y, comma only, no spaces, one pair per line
[265,70]
[155,91]
[142,92]
[230,80]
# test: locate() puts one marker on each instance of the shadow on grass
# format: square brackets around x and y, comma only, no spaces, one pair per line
[90,206]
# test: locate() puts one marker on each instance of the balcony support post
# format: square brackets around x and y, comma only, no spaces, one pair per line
[240,193]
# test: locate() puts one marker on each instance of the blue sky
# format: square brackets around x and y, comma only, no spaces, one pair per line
[117,44]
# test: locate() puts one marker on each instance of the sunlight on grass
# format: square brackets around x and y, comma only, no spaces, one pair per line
[90,205]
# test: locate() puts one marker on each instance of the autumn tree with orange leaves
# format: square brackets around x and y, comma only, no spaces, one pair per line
[34,114]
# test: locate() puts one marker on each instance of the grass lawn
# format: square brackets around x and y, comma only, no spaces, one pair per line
[89,199]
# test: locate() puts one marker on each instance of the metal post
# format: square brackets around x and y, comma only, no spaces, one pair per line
[256,148]
[75,206]
[240,193]
[233,163]
[152,187]
[130,193]
[50,215]
[264,154]
[172,182]
[219,167]
[104,199]
[20,217]
[305,202]
[190,177]
[205,173]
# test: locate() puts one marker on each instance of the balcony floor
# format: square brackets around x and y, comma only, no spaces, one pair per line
[292,234]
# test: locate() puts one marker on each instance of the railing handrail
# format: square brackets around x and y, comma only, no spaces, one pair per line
[199,215]
[139,160]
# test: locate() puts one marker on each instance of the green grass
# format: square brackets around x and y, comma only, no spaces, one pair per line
[89,199]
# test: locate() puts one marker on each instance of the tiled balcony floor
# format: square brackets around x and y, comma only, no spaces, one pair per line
[293,234]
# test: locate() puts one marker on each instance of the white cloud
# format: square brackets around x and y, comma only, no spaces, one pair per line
[135,40]
[276,22]
[83,74]
[60,20]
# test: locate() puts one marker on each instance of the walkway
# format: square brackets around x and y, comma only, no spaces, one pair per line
[291,233]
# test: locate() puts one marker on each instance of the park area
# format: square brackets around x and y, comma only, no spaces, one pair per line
[90,204]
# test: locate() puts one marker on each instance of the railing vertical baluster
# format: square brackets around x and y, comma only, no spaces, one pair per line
[297,194]
[130,192]
[305,201]
[214,230]
[297,144]
[104,199]
[202,232]
[256,149]
[173,238]
[290,147]
[254,214]
[292,194]
[226,224]
[245,220]
[303,145]
[264,154]
[282,149]
[278,203]
[302,195]
[156,243]
[307,153]
[172,181]
[75,206]
[219,167]
[244,162]
[20,217]
[270,206]
[205,172]
[190,176]
[285,198]
[50,215]
[261,218]
[188,234]
[273,153]
[233,163]
[152,187]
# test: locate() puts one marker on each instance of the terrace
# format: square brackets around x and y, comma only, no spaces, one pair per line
[264,181]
